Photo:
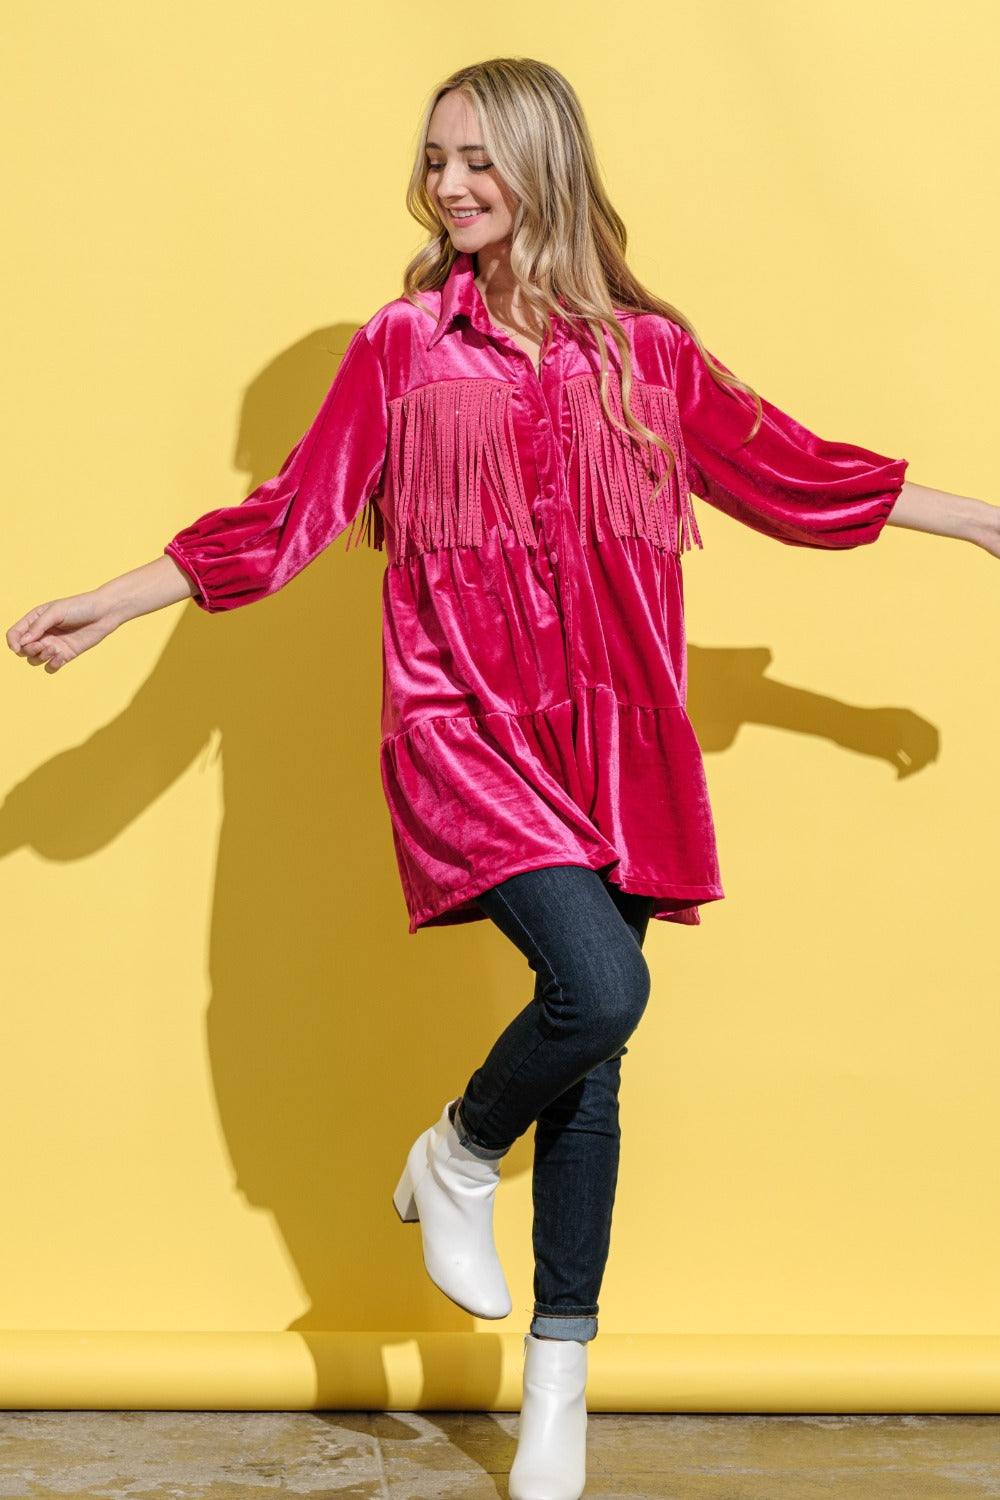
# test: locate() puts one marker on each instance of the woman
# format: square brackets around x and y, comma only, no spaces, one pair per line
[522,431]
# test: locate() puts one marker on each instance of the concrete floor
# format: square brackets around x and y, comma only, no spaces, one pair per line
[155,1455]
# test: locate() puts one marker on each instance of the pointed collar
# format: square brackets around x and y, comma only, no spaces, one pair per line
[460,297]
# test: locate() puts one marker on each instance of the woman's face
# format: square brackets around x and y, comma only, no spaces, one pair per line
[475,206]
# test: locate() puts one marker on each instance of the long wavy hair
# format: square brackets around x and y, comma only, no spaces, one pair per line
[568,242]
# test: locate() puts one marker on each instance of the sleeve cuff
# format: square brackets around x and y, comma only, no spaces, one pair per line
[180,558]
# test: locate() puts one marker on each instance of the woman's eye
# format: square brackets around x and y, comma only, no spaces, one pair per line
[435,166]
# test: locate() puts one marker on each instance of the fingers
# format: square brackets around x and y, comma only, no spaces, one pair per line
[45,653]
[31,626]
[29,640]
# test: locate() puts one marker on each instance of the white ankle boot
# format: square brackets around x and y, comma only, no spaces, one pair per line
[551,1459]
[450,1191]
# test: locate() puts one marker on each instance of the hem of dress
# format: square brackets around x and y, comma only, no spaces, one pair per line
[458,906]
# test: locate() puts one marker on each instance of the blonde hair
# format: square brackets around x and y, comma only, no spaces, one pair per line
[568,242]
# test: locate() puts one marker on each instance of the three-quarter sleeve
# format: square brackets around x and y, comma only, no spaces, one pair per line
[241,553]
[785,481]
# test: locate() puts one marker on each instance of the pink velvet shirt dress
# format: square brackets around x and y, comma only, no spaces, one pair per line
[534,658]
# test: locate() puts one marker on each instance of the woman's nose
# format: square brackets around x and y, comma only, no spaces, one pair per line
[452,183]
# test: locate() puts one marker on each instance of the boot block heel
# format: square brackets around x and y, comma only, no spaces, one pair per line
[403,1200]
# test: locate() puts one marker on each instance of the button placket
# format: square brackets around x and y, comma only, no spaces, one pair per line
[555,500]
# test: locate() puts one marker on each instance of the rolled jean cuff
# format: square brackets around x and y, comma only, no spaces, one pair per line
[484,1153]
[545,1326]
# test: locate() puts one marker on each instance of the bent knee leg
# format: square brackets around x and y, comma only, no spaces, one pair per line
[592,977]
[612,993]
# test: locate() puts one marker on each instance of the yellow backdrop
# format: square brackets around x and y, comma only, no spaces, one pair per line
[219,1037]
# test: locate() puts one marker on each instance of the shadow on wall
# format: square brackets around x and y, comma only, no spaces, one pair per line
[314,974]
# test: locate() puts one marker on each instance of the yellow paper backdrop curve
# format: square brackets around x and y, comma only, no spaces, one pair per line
[219,1037]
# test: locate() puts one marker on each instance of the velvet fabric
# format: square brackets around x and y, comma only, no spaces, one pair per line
[534,661]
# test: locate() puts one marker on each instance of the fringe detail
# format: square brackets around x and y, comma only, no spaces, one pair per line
[372,529]
[447,442]
[618,476]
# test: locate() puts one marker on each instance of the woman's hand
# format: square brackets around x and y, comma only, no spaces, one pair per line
[52,634]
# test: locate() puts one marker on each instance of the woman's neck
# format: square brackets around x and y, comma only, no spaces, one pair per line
[500,290]
[493,274]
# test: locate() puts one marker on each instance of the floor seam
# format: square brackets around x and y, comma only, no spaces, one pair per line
[383,1477]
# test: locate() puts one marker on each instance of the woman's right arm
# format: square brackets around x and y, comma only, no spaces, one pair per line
[52,634]
[239,553]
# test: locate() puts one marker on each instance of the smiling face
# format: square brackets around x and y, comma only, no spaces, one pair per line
[476,207]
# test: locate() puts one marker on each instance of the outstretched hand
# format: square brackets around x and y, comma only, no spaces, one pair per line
[52,634]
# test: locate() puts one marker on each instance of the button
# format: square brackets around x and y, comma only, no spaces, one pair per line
[554,558]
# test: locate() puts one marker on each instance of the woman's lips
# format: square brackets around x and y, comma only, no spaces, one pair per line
[467,218]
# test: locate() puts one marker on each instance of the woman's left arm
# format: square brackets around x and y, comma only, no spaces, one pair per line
[921,509]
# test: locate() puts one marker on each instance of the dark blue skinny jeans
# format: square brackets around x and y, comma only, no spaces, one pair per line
[558,1066]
